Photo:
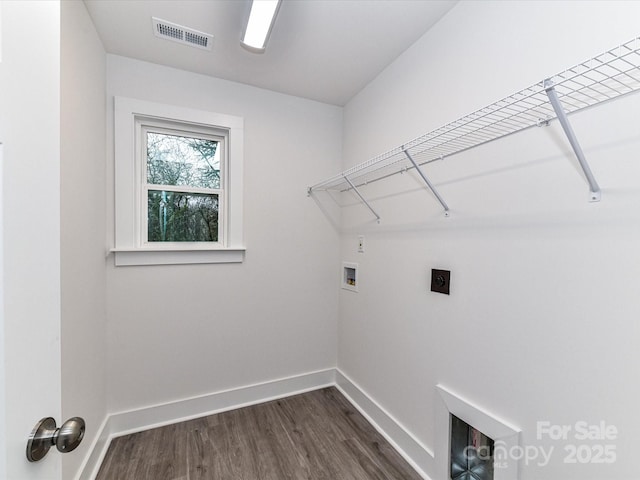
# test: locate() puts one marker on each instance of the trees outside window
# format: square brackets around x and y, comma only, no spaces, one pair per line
[183,185]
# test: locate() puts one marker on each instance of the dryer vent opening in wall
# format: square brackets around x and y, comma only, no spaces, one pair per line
[180,34]
[471,455]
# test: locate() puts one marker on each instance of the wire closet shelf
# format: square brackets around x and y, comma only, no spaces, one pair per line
[609,75]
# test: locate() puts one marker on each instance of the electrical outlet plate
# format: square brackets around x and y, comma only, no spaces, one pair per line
[440,280]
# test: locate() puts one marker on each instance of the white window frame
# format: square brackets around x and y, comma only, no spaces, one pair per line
[130,117]
[145,125]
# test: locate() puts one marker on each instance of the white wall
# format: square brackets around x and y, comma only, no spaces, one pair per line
[83,226]
[180,331]
[30,133]
[542,320]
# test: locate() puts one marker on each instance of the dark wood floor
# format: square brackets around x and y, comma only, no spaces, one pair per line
[313,436]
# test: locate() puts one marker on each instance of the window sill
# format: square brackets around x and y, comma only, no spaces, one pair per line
[176,256]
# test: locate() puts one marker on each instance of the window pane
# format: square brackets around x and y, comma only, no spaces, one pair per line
[176,160]
[182,217]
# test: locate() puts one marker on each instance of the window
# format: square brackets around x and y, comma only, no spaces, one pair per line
[178,185]
[182,184]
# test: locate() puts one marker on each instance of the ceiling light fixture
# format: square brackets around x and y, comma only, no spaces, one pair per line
[259,25]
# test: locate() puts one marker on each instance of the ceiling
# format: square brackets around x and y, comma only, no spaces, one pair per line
[325,50]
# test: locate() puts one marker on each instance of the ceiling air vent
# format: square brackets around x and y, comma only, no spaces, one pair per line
[180,34]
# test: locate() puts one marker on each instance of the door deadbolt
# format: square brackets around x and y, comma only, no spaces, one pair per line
[45,435]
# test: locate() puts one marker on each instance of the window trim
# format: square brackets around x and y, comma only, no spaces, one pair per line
[129,248]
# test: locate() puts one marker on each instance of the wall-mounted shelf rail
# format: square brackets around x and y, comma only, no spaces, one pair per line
[609,75]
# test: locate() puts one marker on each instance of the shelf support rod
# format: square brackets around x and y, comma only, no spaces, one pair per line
[361,197]
[429,184]
[594,195]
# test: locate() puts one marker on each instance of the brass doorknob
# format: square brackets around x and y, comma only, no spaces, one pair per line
[45,435]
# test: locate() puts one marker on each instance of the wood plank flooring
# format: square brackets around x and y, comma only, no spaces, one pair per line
[313,436]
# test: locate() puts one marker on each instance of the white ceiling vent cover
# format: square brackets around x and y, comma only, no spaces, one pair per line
[180,34]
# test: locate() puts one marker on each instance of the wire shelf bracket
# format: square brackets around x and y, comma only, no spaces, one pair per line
[428,183]
[364,200]
[607,76]
[594,194]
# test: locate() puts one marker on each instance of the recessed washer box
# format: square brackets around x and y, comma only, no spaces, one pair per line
[350,276]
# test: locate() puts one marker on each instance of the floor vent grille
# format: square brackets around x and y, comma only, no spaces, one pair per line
[180,34]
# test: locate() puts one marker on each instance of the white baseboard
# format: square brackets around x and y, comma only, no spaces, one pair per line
[419,456]
[124,423]
[97,452]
